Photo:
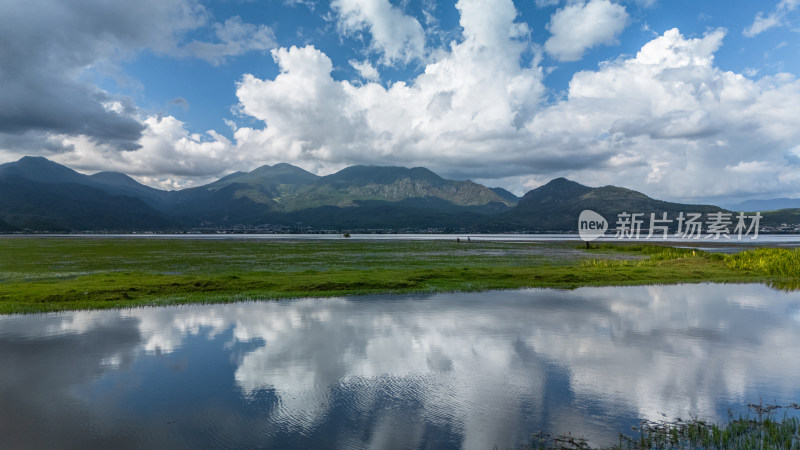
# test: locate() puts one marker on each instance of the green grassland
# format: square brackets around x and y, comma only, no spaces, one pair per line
[54,274]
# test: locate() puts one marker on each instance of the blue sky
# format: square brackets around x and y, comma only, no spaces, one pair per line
[683,100]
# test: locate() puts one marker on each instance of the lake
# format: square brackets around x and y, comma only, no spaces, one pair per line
[463,370]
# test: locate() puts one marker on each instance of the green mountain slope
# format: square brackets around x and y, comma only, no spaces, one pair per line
[37,194]
[779,217]
[355,184]
[250,198]
[117,183]
[41,170]
[509,197]
[557,205]
[58,207]
[278,194]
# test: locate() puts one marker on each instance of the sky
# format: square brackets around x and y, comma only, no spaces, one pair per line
[693,101]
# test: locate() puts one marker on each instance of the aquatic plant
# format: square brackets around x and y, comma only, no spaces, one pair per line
[653,253]
[758,429]
[776,262]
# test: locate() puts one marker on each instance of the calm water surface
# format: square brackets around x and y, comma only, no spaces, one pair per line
[468,370]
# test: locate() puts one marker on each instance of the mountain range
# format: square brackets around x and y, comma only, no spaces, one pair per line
[772,204]
[38,195]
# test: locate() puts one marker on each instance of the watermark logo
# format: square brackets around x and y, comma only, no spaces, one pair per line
[591,225]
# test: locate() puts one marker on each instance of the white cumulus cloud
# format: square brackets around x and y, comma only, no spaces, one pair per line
[669,114]
[169,157]
[580,26]
[366,70]
[666,121]
[471,100]
[395,35]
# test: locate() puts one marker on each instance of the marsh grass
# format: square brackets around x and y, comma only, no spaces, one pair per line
[781,266]
[758,429]
[651,255]
[775,262]
[56,274]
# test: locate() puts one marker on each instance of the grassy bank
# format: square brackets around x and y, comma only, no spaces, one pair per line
[54,274]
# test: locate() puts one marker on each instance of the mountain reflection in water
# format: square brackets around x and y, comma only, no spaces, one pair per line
[470,370]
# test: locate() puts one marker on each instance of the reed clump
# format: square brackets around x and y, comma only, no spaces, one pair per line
[775,262]
[758,429]
[652,255]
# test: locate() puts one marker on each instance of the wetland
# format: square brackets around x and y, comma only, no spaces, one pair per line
[418,343]
[40,274]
